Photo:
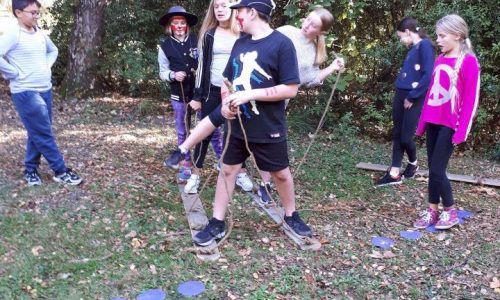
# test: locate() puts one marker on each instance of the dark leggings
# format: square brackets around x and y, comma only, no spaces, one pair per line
[439,149]
[405,122]
[207,107]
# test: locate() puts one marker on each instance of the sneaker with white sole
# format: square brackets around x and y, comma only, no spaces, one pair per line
[68,177]
[410,171]
[184,171]
[388,180]
[32,177]
[215,229]
[192,184]
[427,218]
[264,192]
[447,219]
[244,182]
[297,225]
[174,159]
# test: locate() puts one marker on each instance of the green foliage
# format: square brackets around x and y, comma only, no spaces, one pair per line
[363,33]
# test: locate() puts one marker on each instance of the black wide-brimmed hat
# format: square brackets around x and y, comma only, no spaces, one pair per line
[178,11]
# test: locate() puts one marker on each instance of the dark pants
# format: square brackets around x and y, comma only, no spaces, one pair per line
[207,106]
[439,149]
[405,123]
[35,110]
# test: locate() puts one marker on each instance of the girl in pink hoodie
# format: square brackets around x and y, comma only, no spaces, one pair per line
[447,115]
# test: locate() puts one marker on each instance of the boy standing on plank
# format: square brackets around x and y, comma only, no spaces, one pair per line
[263,69]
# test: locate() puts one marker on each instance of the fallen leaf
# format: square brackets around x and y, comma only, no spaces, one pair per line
[389,254]
[309,279]
[441,236]
[376,254]
[136,243]
[495,283]
[152,269]
[131,234]
[36,250]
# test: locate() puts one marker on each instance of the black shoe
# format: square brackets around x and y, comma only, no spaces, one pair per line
[264,196]
[297,225]
[215,229]
[410,171]
[68,177]
[174,159]
[32,177]
[388,180]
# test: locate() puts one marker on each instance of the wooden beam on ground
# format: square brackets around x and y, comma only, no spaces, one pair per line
[454,177]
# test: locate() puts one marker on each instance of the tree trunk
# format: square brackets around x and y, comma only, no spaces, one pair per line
[84,46]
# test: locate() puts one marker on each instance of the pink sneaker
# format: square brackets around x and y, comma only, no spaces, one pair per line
[427,218]
[447,219]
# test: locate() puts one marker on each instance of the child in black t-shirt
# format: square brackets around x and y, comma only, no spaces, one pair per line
[263,70]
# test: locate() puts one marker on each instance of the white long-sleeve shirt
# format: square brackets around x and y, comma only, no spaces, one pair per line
[26,59]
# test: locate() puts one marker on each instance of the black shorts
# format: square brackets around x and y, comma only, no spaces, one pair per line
[216,116]
[270,157]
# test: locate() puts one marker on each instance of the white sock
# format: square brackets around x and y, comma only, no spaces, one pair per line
[183,150]
[413,163]
[394,173]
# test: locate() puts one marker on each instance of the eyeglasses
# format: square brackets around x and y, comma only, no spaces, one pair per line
[33,13]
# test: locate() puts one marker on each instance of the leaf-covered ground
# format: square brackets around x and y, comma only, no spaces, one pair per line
[123,231]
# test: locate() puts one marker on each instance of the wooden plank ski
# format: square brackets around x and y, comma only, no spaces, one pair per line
[197,219]
[454,177]
[276,213]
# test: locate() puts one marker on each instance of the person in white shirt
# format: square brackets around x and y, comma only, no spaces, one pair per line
[26,58]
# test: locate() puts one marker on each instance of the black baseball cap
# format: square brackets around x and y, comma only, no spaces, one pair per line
[264,6]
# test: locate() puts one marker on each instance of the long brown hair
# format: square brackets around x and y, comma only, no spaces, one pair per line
[326,23]
[210,22]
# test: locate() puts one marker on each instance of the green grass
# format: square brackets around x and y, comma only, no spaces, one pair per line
[86,250]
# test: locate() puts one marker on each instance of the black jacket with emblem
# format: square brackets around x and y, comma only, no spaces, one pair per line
[182,56]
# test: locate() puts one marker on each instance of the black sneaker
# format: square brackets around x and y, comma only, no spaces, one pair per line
[32,177]
[297,225]
[264,196]
[173,160]
[68,177]
[215,229]
[410,171]
[388,180]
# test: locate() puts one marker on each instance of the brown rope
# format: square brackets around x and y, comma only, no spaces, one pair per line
[320,124]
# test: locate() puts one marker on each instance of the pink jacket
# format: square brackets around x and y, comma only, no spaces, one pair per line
[438,107]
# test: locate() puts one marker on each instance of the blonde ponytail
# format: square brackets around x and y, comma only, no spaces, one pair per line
[321,55]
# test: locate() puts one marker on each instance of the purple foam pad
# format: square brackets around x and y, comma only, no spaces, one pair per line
[382,242]
[432,229]
[156,294]
[411,235]
[191,288]
[464,214]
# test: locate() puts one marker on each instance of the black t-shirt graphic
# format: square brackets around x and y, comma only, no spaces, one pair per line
[262,63]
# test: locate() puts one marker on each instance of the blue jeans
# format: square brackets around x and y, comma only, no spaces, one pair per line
[35,110]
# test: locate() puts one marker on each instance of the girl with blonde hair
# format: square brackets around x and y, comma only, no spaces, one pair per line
[447,115]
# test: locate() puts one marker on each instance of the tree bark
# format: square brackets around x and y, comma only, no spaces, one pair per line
[85,43]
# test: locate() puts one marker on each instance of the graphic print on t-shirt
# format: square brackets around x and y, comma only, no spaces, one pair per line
[438,94]
[248,66]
